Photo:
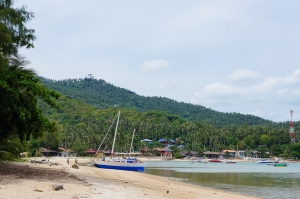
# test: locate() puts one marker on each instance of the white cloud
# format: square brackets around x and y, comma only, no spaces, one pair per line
[272,92]
[243,74]
[154,65]
[293,79]
[220,90]
[169,83]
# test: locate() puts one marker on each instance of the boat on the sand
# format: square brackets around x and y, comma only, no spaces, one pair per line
[128,164]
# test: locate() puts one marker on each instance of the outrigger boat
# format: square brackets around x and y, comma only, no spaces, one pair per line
[128,164]
[280,164]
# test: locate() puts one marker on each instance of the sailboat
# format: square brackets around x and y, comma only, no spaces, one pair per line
[128,164]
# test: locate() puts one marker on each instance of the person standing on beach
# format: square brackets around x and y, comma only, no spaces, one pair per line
[68,161]
[76,160]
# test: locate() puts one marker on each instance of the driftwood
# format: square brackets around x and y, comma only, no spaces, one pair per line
[54,163]
[44,161]
[58,187]
[35,161]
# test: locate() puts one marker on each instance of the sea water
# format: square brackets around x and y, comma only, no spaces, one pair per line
[253,179]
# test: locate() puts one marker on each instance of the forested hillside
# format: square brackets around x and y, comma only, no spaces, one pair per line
[102,95]
[81,126]
[88,107]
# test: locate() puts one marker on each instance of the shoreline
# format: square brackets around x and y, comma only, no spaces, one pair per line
[92,182]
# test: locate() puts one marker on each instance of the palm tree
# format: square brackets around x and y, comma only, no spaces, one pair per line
[9,150]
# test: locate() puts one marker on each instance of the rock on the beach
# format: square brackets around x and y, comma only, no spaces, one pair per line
[75,166]
[57,187]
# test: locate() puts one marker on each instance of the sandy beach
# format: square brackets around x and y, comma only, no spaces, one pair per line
[33,180]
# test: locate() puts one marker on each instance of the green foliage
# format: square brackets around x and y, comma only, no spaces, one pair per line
[34,147]
[9,149]
[13,32]
[276,149]
[102,95]
[19,87]
[177,156]
[264,140]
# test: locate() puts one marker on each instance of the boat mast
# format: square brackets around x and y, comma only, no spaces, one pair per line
[131,142]
[113,146]
[105,136]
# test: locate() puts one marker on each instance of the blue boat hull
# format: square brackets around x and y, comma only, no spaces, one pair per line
[121,167]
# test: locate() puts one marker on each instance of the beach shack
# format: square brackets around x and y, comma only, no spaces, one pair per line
[228,153]
[64,152]
[90,152]
[48,152]
[146,152]
[164,152]
[209,154]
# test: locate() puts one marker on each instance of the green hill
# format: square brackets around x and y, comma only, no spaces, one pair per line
[102,95]
[82,126]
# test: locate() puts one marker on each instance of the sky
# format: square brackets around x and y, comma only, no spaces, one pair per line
[230,56]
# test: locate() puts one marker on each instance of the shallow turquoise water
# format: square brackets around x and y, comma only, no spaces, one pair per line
[247,178]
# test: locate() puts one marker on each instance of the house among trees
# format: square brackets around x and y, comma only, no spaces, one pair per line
[164,152]
[163,141]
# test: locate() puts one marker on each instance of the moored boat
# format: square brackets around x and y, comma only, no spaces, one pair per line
[200,161]
[280,164]
[230,162]
[128,164]
[265,161]
[215,160]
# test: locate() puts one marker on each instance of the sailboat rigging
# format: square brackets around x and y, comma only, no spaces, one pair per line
[128,164]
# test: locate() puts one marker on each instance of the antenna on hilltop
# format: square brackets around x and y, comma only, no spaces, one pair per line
[292,130]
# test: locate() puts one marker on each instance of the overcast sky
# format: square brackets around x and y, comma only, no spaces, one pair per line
[230,56]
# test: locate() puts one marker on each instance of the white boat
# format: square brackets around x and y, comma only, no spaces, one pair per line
[128,164]
[200,161]
[229,161]
[265,161]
